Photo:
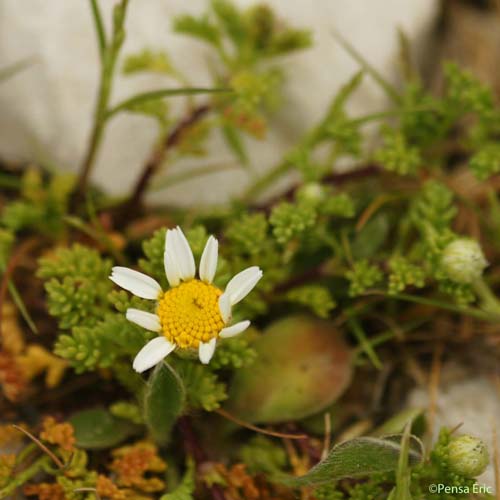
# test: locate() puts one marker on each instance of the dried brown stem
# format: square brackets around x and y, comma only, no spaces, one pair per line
[159,154]
[247,425]
[40,445]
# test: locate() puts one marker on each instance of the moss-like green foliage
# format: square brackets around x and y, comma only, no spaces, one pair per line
[233,354]
[362,276]
[486,162]
[290,221]
[99,344]
[203,389]
[248,234]
[77,284]
[466,92]
[42,204]
[261,454]
[404,274]
[397,155]
[315,297]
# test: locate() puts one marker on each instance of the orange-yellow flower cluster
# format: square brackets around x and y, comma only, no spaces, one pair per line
[107,489]
[60,434]
[131,463]
[45,491]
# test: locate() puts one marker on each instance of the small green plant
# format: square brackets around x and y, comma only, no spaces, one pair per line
[343,279]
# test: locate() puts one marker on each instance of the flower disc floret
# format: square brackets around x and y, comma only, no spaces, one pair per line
[190,314]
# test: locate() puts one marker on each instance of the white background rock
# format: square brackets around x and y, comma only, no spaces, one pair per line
[45,111]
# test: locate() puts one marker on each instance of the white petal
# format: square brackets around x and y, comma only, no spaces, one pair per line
[139,284]
[147,320]
[242,284]
[171,269]
[178,247]
[233,330]
[206,351]
[208,262]
[152,353]
[225,307]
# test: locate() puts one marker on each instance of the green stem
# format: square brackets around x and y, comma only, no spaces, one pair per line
[25,452]
[158,94]
[23,477]
[187,175]
[389,89]
[489,300]
[16,297]
[109,59]
[266,180]
[99,27]
[364,343]
[467,311]
[312,140]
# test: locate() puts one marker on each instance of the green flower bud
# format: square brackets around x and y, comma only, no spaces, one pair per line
[312,191]
[467,456]
[463,260]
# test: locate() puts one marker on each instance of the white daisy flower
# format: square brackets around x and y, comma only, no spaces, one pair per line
[193,313]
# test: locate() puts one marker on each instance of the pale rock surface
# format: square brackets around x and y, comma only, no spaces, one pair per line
[472,401]
[45,111]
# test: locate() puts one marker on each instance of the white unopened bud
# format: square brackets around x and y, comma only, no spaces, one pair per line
[463,260]
[468,456]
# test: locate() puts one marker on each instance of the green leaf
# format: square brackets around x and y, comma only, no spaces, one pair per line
[164,401]
[295,382]
[397,423]
[97,429]
[231,20]
[402,488]
[185,490]
[200,28]
[388,88]
[149,60]
[373,235]
[235,143]
[344,94]
[152,95]
[355,458]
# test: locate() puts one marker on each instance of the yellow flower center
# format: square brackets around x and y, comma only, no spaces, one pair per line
[189,313]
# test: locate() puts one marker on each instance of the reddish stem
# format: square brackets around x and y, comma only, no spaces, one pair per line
[156,159]
[194,449]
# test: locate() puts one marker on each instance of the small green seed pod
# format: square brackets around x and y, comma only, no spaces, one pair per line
[467,456]
[463,260]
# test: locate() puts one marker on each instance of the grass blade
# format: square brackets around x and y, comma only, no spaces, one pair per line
[159,94]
